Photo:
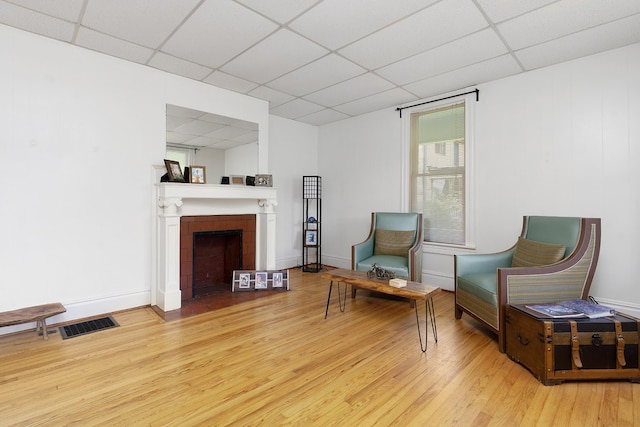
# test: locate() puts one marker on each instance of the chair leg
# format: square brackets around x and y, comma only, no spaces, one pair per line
[458,313]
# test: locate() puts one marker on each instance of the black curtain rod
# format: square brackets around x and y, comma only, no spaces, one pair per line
[477,92]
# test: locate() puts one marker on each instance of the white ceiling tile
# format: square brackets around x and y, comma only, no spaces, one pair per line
[65,9]
[226,81]
[174,121]
[335,23]
[296,108]
[35,22]
[145,22]
[604,37]
[376,102]
[218,31]
[281,53]
[563,18]
[215,118]
[356,88]
[499,10]
[178,66]
[324,72]
[203,141]
[349,56]
[475,74]
[177,138]
[223,144]
[281,11]
[246,138]
[460,53]
[198,127]
[227,132]
[274,97]
[113,46]
[420,32]
[243,124]
[323,117]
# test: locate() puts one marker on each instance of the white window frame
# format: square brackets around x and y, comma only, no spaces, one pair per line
[185,150]
[470,188]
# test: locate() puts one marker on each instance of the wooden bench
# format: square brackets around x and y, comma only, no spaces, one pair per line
[38,314]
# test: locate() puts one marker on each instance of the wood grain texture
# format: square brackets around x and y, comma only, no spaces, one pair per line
[413,290]
[277,361]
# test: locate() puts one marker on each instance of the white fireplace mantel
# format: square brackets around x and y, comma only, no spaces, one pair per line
[175,200]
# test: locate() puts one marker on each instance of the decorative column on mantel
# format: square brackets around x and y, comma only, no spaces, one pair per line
[176,200]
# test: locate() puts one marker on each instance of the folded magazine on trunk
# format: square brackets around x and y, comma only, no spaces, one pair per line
[572,308]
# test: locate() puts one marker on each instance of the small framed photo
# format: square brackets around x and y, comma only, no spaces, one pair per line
[245,281]
[311,237]
[237,179]
[198,175]
[277,280]
[261,280]
[264,181]
[174,171]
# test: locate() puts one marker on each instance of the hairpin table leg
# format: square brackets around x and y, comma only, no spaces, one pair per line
[341,303]
[429,313]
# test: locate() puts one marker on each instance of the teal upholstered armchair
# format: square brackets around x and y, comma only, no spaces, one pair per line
[554,259]
[394,243]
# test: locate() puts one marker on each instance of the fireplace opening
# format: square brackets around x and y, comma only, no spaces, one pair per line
[216,254]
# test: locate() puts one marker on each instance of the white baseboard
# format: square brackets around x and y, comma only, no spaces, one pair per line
[83,310]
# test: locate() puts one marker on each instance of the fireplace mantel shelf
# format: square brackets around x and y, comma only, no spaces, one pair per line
[212,191]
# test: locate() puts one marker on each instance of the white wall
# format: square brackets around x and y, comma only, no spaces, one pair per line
[564,140]
[241,160]
[79,135]
[293,153]
[360,160]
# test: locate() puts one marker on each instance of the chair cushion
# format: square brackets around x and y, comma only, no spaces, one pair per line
[397,264]
[530,253]
[482,285]
[393,242]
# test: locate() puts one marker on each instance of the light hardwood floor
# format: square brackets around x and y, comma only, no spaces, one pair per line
[276,361]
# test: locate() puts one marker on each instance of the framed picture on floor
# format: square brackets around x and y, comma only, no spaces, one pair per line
[260,280]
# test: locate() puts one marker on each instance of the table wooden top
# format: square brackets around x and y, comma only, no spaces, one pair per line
[30,314]
[359,279]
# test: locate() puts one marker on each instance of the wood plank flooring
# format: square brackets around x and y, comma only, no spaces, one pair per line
[276,361]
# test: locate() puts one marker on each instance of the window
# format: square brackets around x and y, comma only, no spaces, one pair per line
[178,154]
[438,177]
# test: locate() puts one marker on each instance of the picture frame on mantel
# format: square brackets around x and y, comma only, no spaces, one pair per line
[174,171]
[197,174]
[237,179]
[264,181]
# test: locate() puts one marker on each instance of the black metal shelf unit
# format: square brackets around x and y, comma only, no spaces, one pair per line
[311,224]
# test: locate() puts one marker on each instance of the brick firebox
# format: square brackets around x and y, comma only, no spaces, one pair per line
[194,224]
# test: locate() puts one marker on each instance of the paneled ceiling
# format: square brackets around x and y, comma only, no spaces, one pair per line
[319,61]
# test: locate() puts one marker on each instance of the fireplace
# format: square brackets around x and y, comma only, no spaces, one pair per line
[216,254]
[211,247]
[198,205]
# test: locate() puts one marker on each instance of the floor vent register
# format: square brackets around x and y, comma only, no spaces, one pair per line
[83,328]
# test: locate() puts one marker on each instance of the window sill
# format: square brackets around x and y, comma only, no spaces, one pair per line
[445,249]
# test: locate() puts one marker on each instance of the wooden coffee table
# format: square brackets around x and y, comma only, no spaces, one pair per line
[413,291]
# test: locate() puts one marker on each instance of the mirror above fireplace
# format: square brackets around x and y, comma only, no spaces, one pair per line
[224,145]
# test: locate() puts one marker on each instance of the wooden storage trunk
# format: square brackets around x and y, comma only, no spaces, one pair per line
[554,350]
